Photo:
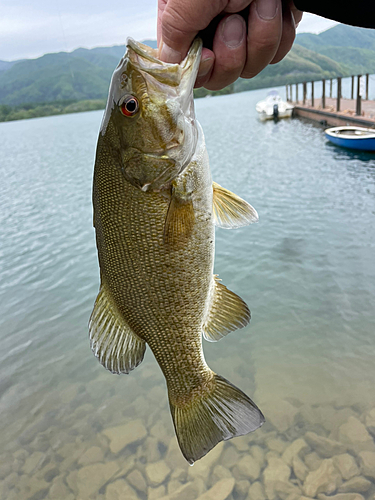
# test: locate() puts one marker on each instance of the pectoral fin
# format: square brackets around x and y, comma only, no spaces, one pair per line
[179,222]
[231,211]
[112,341]
[228,312]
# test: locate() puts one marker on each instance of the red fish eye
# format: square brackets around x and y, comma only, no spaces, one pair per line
[130,106]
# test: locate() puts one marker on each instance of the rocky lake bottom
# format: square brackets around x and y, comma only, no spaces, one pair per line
[115,441]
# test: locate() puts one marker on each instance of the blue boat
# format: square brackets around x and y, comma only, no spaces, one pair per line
[352,137]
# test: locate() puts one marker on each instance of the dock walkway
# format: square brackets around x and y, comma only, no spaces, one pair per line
[329,115]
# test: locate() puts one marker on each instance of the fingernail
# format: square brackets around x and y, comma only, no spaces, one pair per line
[205,66]
[233,31]
[266,8]
[169,55]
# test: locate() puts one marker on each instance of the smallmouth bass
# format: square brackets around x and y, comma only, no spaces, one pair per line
[155,208]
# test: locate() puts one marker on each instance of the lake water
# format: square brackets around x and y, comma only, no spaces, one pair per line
[71,430]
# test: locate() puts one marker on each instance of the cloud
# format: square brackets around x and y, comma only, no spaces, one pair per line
[30,31]
[314,24]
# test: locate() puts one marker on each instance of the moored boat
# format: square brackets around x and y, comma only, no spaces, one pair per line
[273,107]
[352,137]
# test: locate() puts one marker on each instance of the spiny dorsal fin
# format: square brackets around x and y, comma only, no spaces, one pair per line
[228,312]
[116,346]
[219,414]
[179,222]
[231,211]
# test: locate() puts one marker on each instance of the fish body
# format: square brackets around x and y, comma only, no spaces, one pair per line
[155,207]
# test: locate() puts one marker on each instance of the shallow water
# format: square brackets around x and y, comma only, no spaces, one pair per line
[307,271]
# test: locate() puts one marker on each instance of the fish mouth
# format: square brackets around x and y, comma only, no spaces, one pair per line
[181,75]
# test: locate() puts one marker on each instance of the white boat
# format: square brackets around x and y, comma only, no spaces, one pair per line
[273,107]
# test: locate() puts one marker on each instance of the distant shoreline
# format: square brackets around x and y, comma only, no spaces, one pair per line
[37,110]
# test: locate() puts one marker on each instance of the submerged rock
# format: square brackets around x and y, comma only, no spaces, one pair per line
[356,484]
[120,490]
[277,471]
[220,491]
[347,465]
[174,457]
[230,456]
[280,414]
[241,488]
[136,480]
[123,435]
[189,491]
[258,453]
[342,496]
[247,468]
[156,493]
[91,456]
[355,435]
[220,472]
[299,468]
[157,473]
[370,421]
[58,489]
[367,463]
[299,446]
[325,447]
[313,461]
[325,479]
[91,478]
[276,444]
[256,492]
[34,461]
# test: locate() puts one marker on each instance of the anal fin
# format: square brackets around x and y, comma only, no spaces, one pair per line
[112,341]
[227,313]
[231,211]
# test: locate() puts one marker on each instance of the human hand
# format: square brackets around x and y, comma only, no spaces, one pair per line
[245,35]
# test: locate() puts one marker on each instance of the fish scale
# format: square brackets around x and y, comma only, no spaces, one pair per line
[154,216]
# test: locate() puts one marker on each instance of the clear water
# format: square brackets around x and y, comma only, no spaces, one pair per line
[307,271]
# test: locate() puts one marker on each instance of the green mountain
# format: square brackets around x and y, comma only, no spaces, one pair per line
[299,65]
[339,36]
[353,48]
[78,75]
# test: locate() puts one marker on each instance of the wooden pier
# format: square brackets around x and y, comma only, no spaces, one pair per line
[331,110]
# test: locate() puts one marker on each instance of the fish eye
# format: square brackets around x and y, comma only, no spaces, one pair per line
[129,106]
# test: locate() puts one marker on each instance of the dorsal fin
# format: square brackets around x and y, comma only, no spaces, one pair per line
[231,211]
[112,341]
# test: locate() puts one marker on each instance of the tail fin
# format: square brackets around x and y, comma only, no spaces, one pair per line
[224,413]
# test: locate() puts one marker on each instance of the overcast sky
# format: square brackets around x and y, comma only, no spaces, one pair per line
[29,29]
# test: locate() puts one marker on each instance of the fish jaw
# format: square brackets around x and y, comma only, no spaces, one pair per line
[165,127]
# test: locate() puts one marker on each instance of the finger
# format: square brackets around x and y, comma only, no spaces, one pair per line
[205,67]
[264,35]
[229,47]
[287,37]
[161,7]
[234,6]
[180,21]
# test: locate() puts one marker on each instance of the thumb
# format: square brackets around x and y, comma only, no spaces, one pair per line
[180,21]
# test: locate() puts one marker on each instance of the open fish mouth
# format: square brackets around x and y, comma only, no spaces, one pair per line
[182,75]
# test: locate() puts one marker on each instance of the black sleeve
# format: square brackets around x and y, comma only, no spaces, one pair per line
[358,13]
